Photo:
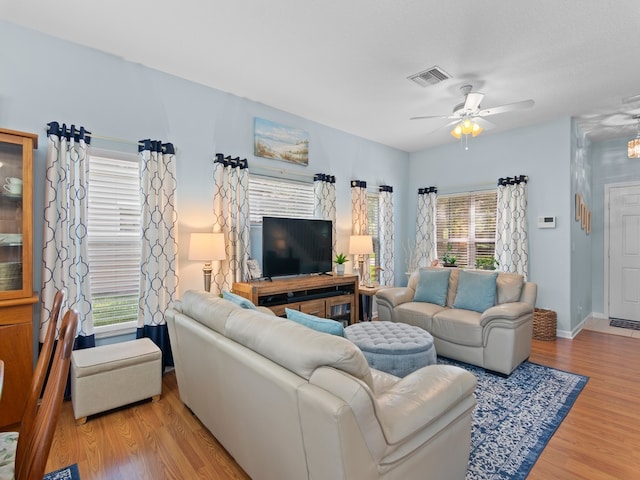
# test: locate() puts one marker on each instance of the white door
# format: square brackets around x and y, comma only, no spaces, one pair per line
[624,252]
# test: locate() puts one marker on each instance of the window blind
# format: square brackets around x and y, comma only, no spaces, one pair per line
[114,242]
[271,197]
[467,222]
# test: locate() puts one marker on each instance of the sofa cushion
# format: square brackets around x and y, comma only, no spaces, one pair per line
[432,286]
[418,314]
[454,279]
[238,300]
[306,349]
[206,308]
[476,291]
[509,287]
[320,324]
[458,326]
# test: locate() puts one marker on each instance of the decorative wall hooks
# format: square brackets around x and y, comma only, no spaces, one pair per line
[583,214]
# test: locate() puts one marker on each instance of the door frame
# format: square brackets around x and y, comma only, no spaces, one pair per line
[607,189]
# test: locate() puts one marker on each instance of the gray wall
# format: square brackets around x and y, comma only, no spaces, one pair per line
[542,152]
[610,166]
[45,79]
[581,304]
[116,98]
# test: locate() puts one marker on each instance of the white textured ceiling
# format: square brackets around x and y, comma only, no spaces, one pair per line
[345,63]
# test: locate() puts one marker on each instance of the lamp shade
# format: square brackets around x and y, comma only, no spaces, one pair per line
[207,246]
[360,244]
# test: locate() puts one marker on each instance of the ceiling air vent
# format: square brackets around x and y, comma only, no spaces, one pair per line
[431,76]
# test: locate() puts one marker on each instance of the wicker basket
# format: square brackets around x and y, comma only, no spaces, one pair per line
[544,324]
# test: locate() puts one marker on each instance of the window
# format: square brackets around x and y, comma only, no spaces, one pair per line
[467,222]
[373,220]
[114,242]
[270,197]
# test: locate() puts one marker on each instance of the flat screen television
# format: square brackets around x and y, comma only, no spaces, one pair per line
[294,246]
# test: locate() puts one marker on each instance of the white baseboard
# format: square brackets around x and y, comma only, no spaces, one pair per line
[572,334]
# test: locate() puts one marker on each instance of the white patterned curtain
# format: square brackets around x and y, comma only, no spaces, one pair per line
[426,232]
[231,217]
[360,220]
[386,237]
[512,242]
[158,269]
[324,207]
[65,258]
[359,217]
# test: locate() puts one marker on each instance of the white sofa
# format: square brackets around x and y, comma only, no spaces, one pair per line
[291,403]
[497,339]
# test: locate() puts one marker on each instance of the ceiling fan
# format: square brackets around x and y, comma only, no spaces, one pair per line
[469,118]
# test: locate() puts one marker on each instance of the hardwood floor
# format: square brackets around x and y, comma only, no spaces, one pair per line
[150,441]
[599,439]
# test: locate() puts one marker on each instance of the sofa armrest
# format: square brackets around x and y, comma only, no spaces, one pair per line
[529,293]
[506,311]
[392,297]
[422,397]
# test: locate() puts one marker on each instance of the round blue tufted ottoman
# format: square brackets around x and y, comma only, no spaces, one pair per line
[395,348]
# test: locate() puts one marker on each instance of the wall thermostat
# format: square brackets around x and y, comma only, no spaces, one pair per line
[546,222]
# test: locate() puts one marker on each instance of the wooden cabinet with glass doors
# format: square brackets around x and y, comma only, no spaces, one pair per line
[16,270]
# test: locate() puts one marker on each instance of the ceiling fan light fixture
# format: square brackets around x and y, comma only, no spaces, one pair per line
[457,131]
[633,148]
[466,127]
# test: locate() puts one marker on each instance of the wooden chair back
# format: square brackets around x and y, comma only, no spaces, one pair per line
[1,376]
[40,437]
[40,372]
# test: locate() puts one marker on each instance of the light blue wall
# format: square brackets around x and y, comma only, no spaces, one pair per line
[610,166]
[45,79]
[543,153]
[116,98]
[581,304]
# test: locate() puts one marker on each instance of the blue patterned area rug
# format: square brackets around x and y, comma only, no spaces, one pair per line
[515,417]
[67,473]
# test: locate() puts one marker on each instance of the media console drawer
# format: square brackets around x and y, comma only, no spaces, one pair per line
[327,296]
[314,307]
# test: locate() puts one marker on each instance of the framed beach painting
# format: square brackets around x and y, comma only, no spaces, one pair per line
[273,140]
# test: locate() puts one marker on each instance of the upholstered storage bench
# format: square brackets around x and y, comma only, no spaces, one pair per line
[111,376]
[394,348]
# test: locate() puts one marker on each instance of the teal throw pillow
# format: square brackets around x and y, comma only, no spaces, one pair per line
[320,324]
[238,300]
[476,291]
[432,286]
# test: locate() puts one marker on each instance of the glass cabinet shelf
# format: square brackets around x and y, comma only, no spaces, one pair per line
[16,206]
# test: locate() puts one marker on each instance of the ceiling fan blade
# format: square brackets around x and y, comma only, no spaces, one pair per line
[431,116]
[484,123]
[442,127]
[620,119]
[472,102]
[506,108]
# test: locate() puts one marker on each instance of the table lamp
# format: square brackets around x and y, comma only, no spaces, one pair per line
[207,247]
[360,245]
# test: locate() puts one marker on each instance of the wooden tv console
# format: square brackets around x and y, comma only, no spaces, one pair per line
[326,296]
